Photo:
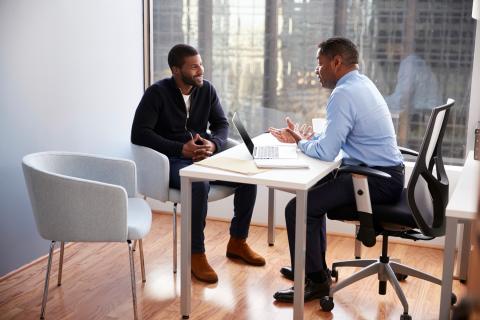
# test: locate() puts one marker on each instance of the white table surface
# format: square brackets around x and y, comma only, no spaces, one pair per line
[462,207]
[298,180]
[464,203]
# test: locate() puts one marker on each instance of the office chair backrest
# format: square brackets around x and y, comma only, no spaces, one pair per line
[428,193]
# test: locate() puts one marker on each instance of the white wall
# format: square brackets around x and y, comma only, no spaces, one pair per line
[223,209]
[71,76]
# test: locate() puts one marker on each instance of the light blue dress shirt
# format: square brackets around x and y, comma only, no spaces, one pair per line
[359,125]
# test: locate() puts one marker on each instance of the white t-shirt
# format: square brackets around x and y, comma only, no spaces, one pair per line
[186,98]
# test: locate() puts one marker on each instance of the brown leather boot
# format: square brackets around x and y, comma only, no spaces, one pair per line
[201,269]
[238,248]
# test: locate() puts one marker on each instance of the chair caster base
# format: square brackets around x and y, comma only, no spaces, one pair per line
[185,317]
[453,299]
[382,288]
[326,303]
[401,277]
[405,316]
[270,244]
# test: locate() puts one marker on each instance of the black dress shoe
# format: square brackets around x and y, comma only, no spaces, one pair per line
[313,290]
[288,273]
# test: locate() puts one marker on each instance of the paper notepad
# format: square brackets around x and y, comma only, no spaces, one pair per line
[247,167]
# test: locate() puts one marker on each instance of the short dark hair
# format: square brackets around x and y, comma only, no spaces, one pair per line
[177,55]
[340,46]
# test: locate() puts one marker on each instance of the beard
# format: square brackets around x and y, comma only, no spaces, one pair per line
[327,83]
[196,81]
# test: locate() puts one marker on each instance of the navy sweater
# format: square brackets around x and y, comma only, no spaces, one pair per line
[160,121]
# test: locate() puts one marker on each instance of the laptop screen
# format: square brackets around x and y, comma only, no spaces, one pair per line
[243,133]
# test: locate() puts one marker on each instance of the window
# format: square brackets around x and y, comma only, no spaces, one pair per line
[260,56]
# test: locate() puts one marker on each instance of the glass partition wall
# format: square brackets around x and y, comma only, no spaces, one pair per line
[260,56]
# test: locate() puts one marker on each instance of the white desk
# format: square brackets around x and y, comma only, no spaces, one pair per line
[462,208]
[297,180]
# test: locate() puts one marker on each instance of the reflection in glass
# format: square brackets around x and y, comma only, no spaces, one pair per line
[260,56]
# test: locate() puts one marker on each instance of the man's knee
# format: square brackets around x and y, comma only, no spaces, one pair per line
[247,189]
[200,189]
[290,210]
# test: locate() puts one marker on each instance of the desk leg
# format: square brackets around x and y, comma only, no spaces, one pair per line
[271,216]
[464,251]
[186,235]
[448,263]
[300,231]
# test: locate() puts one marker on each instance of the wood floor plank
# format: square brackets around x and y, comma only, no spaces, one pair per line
[96,282]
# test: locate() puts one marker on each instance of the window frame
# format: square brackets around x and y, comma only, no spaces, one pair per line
[473,109]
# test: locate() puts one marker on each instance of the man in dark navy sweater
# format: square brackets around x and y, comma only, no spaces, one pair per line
[172,118]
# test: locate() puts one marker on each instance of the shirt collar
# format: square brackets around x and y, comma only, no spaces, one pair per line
[174,85]
[347,76]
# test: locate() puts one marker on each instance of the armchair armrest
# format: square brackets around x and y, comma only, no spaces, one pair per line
[231,143]
[104,169]
[91,211]
[411,152]
[117,171]
[153,170]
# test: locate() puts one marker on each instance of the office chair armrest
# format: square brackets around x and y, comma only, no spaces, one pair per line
[411,152]
[364,171]
[366,232]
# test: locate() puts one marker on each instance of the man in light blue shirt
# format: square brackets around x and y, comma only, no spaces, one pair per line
[359,127]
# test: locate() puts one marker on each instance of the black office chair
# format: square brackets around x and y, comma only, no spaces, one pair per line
[419,214]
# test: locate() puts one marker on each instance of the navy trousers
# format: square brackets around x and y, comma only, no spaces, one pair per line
[335,191]
[244,201]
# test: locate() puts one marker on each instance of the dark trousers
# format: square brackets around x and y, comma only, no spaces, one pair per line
[335,192]
[243,202]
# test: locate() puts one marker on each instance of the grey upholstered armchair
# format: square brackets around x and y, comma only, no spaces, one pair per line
[85,198]
[153,170]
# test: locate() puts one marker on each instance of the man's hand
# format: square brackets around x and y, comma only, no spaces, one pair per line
[292,133]
[205,152]
[198,148]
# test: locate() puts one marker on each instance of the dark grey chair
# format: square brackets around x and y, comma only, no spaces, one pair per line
[418,215]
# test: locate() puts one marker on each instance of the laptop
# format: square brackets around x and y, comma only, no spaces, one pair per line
[269,156]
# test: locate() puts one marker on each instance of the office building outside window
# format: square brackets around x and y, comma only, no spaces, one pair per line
[260,56]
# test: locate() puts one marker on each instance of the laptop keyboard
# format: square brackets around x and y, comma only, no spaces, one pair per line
[266,152]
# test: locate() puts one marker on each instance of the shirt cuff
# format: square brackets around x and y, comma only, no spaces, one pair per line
[301,145]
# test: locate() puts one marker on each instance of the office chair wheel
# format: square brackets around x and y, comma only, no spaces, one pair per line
[453,299]
[405,316]
[401,277]
[382,287]
[334,274]
[326,303]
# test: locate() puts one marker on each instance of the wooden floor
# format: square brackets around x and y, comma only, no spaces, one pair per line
[96,282]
